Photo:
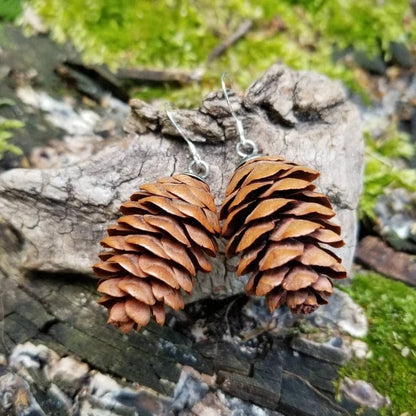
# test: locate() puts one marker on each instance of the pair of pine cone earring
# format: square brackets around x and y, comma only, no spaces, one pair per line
[272,217]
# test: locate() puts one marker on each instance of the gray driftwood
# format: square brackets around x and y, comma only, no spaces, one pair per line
[60,215]
[51,222]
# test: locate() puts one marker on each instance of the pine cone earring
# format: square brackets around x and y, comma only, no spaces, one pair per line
[157,246]
[276,221]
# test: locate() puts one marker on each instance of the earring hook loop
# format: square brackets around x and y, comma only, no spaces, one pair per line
[245,148]
[197,167]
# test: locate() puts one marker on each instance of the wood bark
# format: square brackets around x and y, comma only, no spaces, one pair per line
[51,222]
[60,215]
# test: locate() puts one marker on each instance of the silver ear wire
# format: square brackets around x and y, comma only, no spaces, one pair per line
[197,167]
[244,148]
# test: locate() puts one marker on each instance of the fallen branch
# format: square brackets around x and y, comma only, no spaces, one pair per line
[241,31]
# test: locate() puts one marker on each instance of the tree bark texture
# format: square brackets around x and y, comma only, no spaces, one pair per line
[52,220]
[60,215]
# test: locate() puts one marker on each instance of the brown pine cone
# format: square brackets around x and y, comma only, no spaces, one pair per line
[156,249]
[277,222]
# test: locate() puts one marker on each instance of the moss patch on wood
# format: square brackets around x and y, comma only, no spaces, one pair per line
[10,9]
[304,34]
[391,310]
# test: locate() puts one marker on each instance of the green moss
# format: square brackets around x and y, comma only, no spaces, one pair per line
[6,128]
[181,33]
[384,168]
[10,9]
[391,310]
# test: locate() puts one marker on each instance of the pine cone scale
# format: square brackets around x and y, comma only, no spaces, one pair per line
[291,227]
[138,289]
[277,222]
[287,184]
[138,222]
[169,225]
[110,287]
[248,193]
[128,262]
[281,253]
[267,208]
[155,250]
[252,234]
[137,311]
[299,277]
[269,279]
[207,243]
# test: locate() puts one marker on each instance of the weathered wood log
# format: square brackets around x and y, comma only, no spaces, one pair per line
[59,215]
[51,221]
[375,254]
[62,314]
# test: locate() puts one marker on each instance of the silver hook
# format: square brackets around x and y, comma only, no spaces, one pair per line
[197,167]
[245,148]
